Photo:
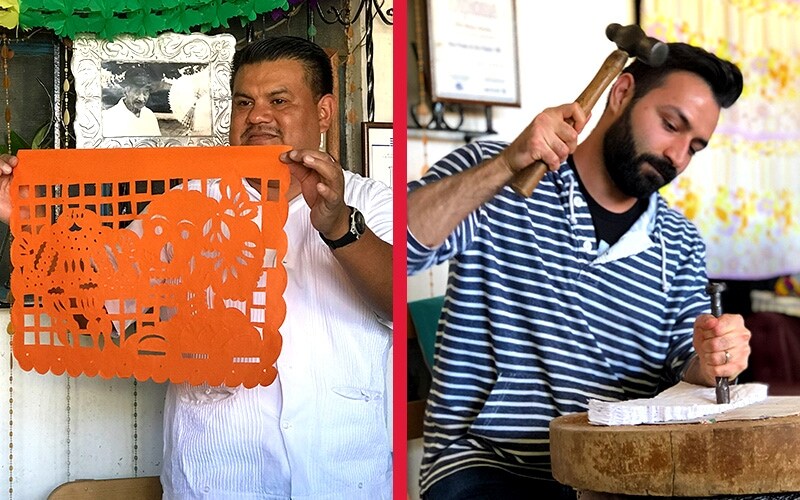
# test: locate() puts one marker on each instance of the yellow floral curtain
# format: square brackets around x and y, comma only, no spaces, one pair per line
[743,191]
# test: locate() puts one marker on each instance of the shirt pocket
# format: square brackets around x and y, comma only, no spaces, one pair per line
[204,393]
[358,393]
[357,437]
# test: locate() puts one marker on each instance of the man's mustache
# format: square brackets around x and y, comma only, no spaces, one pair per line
[262,130]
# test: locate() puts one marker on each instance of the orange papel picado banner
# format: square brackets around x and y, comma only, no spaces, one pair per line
[153,263]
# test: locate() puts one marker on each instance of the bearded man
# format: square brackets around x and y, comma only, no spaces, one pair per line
[591,288]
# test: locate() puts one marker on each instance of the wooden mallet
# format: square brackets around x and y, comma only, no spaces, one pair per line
[631,42]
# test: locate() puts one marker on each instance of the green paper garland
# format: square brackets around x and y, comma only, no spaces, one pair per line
[109,18]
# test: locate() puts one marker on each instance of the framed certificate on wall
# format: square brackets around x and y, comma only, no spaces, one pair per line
[377,141]
[473,51]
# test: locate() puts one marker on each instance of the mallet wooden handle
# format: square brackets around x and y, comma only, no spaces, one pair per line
[527,179]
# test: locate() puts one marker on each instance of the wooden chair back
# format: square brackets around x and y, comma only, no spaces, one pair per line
[128,488]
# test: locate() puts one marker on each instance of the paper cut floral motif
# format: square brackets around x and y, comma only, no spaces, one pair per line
[154,268]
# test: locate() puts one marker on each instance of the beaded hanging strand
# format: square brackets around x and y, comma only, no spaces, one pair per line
[10,414]
[6,53]
[69,432]
[135,429]
[64,120]
[65,89]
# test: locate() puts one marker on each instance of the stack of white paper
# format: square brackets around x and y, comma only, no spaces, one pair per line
[682,402]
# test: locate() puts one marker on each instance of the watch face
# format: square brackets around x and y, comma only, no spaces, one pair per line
[358,222]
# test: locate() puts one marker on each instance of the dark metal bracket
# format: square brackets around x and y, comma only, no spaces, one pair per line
[448,117]
[372,9]
[342,16]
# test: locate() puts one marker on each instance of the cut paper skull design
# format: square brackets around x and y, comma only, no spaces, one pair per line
[152,263]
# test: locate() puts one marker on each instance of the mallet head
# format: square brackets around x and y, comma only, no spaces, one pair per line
[633,40]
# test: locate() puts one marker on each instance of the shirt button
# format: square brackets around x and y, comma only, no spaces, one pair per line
[360,485]
[578,202]
[206,489]
[285,425]
[587,246]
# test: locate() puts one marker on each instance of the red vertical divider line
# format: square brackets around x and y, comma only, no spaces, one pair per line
[400,113]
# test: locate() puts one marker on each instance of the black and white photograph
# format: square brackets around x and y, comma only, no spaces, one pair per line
[171,90]
[155,99]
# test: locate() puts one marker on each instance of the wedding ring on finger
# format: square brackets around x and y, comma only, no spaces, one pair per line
[727,357]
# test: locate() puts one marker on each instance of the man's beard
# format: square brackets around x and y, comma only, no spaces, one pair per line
[626,168]
[134,107]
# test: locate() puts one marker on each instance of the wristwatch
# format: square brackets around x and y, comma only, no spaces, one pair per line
[357,229]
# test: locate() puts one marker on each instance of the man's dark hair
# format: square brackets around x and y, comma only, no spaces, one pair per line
[722,76]
[319,73]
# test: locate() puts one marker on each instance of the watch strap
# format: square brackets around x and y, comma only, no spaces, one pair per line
[355,232]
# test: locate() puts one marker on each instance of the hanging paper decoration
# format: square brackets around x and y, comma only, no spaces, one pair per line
[9,13]
[109,18]
[140,262]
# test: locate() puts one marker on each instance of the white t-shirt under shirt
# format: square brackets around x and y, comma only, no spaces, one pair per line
[320,430]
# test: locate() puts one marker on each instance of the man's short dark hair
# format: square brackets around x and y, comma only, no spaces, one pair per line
[722,76]
[319,73]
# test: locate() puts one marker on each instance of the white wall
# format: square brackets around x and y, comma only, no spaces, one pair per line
[561,46]
[382,63]
[101,427]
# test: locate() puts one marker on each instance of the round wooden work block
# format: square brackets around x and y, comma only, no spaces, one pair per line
[733,457]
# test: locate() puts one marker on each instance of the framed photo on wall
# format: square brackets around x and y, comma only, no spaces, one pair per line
[377,141]
[473,52]
[172,90]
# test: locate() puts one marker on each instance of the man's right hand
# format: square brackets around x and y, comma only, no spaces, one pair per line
[7,164]
[550,137]
[436,209]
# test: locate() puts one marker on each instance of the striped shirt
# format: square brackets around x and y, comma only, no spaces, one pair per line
[537,319]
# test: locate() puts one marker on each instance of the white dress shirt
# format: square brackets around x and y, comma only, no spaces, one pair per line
[320,431]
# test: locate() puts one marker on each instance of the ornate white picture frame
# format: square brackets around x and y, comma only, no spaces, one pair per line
[188,90]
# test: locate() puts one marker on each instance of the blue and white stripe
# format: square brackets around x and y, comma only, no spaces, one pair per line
[538,319]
